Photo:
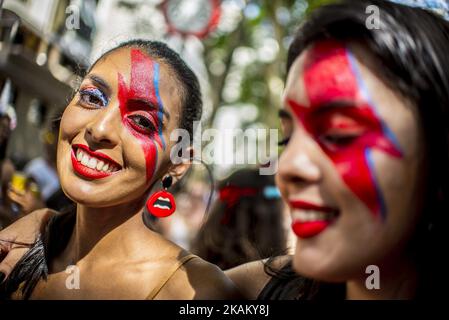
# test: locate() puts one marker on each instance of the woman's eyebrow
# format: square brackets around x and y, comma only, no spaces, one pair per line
[99,82]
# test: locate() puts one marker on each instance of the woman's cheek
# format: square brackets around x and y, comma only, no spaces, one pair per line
[142,154]
[279,182]
[149,148]
[72,122]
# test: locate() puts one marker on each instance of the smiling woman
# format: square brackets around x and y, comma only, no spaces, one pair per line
[113,149]
[364,167]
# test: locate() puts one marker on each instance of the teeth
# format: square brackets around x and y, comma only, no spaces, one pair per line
[85,160]
[100,165]
[94,163]
[161,206]
[311,215]
[79,155]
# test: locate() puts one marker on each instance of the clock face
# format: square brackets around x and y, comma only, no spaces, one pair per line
[191,16]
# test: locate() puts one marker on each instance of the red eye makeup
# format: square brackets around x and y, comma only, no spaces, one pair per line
[141,106]
[344,121]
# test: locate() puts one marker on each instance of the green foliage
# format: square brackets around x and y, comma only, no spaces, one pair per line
[313,4]
[270,19]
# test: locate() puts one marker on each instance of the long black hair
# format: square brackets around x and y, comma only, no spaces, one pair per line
[33,266]
[411,46]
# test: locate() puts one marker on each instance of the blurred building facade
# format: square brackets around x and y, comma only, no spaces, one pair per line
[44,46]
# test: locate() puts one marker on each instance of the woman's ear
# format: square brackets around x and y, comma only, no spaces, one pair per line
[177,171]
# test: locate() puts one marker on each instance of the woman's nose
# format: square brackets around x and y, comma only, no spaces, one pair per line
[105,127]
[298,164]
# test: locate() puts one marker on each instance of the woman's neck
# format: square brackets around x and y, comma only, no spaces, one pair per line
[396,282]
[106,229]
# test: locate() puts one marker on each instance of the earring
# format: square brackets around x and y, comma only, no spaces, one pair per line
[162,203]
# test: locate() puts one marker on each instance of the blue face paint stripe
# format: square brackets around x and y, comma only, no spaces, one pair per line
[380,199]
[155,162]
[365,93]
[358,77]
[386,131]
[391,136]
[160,114]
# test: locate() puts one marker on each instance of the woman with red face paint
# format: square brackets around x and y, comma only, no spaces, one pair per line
[365,165]
[113,148]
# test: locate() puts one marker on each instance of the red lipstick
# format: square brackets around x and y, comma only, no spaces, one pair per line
[309,224]
[299,204]
[96,154]
[87,172]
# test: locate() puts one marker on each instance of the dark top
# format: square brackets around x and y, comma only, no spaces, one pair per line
[285,284]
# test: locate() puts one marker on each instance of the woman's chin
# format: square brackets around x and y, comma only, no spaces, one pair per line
[98,196]
[84,199]
[331,274]
[84,193]
[319,266]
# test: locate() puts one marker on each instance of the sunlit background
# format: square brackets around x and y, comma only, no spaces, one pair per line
[237,49]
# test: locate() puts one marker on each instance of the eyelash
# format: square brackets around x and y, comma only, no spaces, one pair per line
[140,128]
[284,142]
[93,92]
[339,139]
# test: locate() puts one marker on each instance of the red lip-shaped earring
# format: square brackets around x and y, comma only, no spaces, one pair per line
[162,203]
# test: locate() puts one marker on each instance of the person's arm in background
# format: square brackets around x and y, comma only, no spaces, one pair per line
[27,200]
[250,278]
[25,231]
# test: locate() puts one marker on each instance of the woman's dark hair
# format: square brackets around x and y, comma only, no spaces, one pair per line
[33,266]
[411,47]
[246,222]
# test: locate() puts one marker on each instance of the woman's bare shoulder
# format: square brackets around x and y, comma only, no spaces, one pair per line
[198,279]
[250,278]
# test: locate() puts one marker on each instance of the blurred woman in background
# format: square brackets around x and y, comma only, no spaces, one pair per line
[246,222]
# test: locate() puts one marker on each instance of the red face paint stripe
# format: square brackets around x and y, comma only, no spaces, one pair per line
[328,77]
[144,77]
[141,88]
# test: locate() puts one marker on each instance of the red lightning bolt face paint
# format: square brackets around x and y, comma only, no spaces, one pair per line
[142,99]
[343,120]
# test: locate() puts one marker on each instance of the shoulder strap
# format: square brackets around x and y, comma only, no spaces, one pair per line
[170,274]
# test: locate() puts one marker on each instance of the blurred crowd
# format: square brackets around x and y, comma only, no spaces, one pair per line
[30,185]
